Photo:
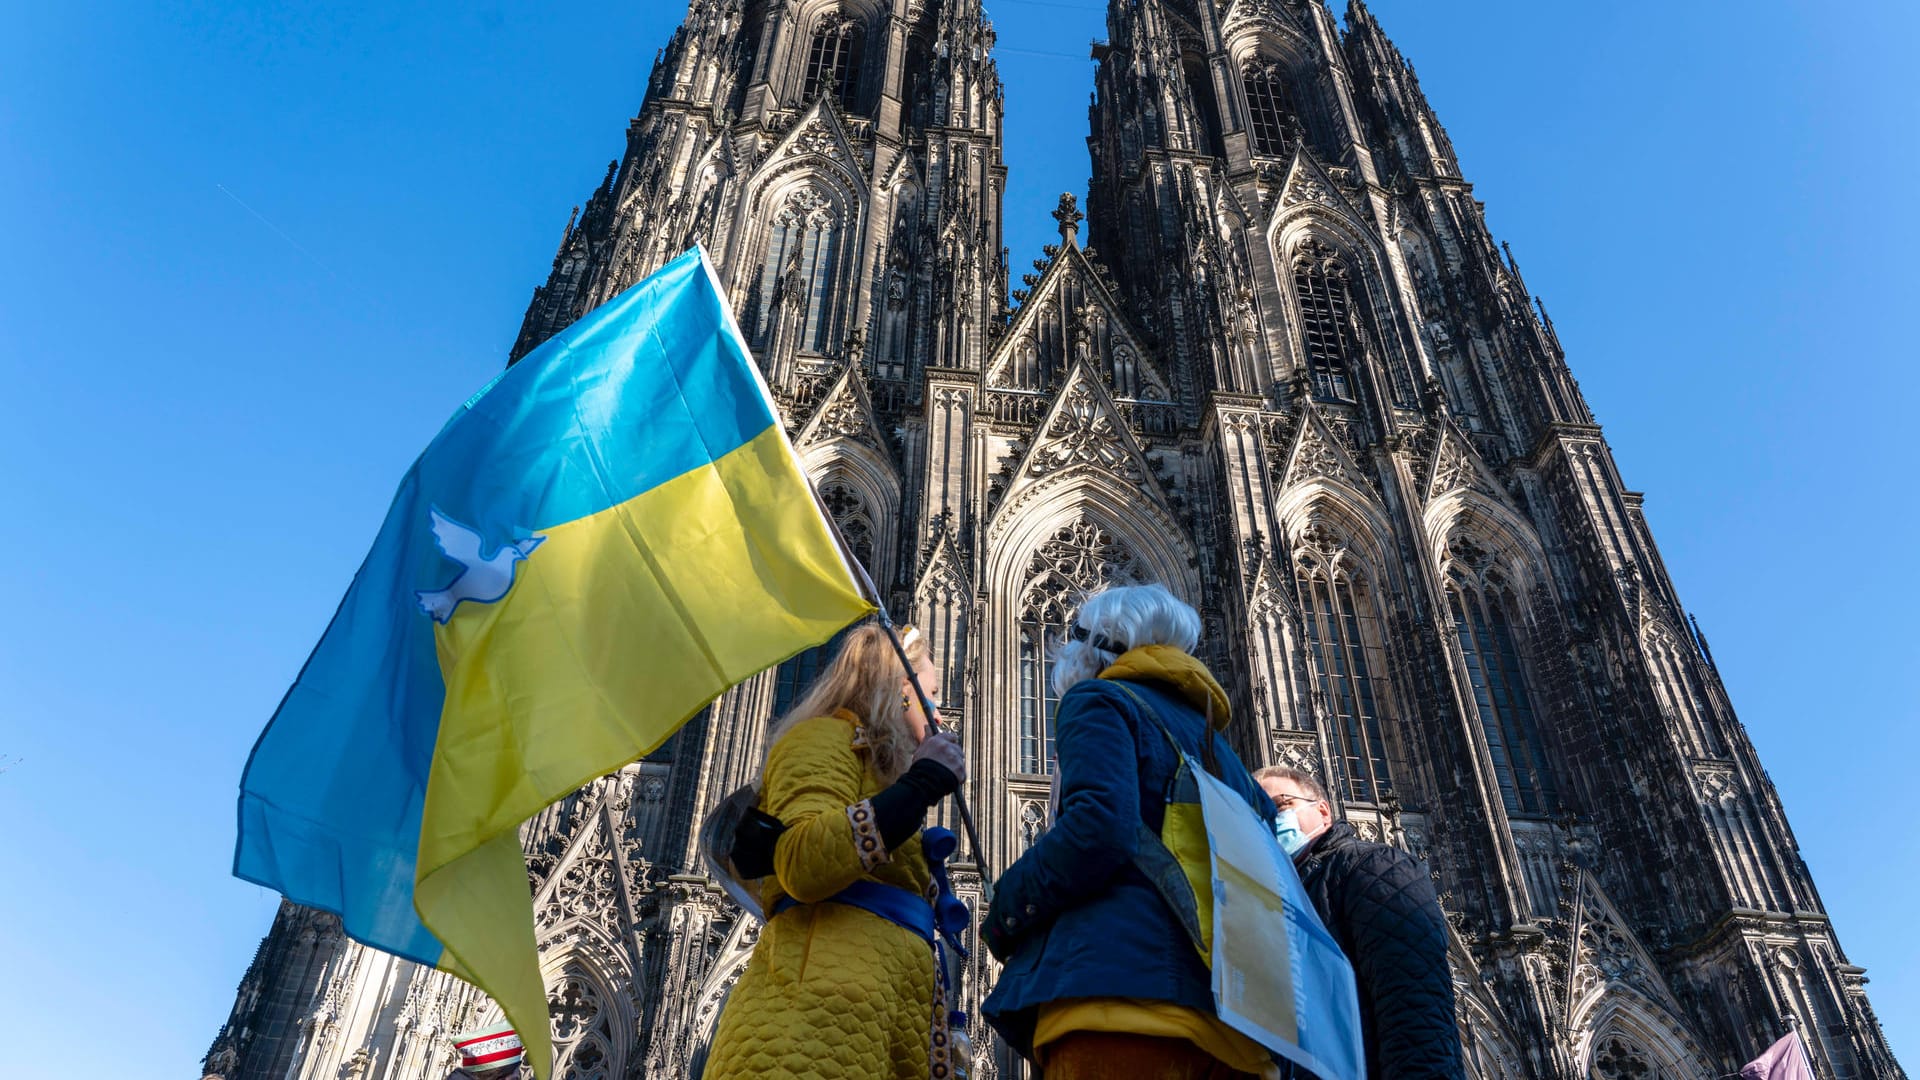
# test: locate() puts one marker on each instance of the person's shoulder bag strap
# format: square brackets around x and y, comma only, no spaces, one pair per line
[1151,856]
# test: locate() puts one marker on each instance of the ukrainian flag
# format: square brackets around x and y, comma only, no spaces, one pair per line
[601,541]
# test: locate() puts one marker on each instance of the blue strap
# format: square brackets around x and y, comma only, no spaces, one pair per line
[948,914]
[897,906]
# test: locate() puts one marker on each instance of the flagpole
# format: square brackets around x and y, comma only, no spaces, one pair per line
[865,582]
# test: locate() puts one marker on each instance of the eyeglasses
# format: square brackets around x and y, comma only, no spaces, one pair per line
[1099,641]
[1288,802]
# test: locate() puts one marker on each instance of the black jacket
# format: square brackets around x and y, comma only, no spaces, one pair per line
[1379,904]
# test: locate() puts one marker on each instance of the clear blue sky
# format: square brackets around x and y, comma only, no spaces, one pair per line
[252,255]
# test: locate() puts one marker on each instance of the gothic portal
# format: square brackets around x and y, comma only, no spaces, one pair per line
[1299,383]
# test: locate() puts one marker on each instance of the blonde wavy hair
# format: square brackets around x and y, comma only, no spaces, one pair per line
[864,678]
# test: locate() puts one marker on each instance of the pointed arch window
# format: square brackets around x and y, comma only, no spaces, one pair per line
[1273,122]
[833,59]
[1617,1057]
[798,275]
[1323,288]
[1483,621]
[1343,640]
[584,1044]
[1199,79]
[917,106]
[849,510]
[1077,560]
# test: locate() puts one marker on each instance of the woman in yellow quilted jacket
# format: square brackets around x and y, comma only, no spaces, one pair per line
[834,990]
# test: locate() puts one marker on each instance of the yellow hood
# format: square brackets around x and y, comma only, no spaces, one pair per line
[1187,676]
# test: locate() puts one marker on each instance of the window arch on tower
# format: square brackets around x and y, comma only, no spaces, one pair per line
[1078,559]
[1206,106]
[1329,320]
[1273,119]
[1486,622]
[893,340]
[1342,625]
[798,273]
[918,104]
[833,59]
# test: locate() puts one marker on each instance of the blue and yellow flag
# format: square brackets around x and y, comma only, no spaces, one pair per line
[608,536]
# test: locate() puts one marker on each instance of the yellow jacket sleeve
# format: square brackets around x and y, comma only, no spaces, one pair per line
[817,783]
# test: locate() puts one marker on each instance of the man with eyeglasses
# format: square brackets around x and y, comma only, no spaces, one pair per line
[1378,903]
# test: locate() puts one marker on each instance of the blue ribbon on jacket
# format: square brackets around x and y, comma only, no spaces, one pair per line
[942,923]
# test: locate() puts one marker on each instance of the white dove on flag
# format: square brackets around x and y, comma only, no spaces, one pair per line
[485,579]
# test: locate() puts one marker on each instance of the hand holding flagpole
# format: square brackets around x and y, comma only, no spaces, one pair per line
[865,581]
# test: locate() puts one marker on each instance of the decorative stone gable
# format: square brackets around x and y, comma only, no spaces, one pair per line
[1458,466]
[817,135]
[1071,317]
[1308,183]
[1605,953]
[845,412]
[1318,455]
[1082,432]
[1267,15]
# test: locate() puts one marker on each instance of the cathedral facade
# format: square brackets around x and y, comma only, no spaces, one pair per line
[1280,365]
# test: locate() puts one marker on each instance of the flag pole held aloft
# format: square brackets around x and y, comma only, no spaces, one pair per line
[872,594]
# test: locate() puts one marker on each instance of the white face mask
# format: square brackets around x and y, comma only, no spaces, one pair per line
[1286,829]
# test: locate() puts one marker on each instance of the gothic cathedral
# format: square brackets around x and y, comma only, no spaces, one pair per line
[1279,365]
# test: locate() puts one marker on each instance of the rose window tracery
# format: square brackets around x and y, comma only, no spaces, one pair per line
[1620,1058]
[582,1029]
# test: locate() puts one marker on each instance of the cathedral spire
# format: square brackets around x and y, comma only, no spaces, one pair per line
[1383,78]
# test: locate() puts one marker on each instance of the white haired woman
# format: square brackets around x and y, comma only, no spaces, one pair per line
[841,984]
[1102,978]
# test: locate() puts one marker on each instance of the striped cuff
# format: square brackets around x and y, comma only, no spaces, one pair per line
[866,835]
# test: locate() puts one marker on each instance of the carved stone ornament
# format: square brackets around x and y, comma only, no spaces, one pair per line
[841,418]
[817,138]
[1307,188]
[1297,750]
[1714,782]
[1263,14]
[1606,952]
[1083,432]
[846,413]
[1620,1058]
[1314,458]
[1033,822]
[1079,559]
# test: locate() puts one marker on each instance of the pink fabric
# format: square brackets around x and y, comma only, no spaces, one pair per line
[1784,1060]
